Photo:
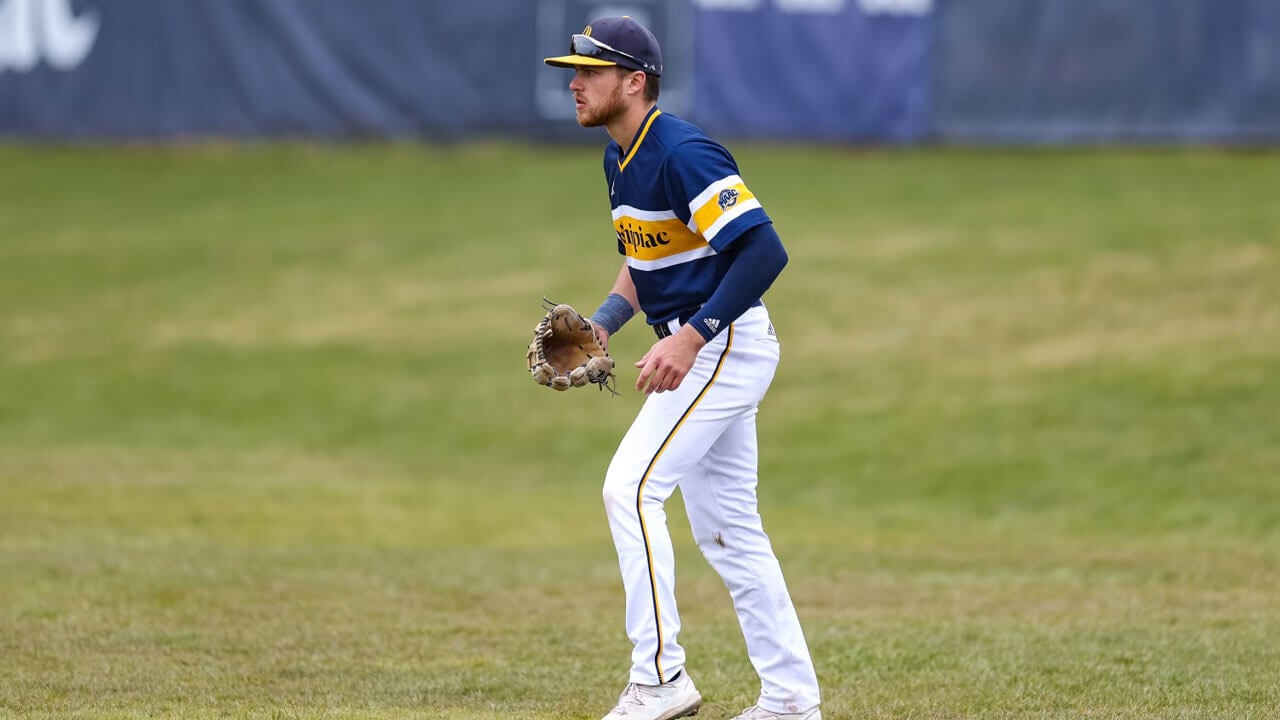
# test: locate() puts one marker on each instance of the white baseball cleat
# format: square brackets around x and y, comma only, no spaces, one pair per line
[755,712]
[676,699]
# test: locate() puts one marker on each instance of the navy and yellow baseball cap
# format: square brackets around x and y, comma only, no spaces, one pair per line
[613,41]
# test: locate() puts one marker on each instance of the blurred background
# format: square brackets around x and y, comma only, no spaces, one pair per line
[268,270]
[854,71]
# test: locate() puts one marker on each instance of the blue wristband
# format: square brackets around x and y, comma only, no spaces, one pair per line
[613,313]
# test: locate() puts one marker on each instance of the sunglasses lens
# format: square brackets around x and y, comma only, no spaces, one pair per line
[582,45]
[588,46]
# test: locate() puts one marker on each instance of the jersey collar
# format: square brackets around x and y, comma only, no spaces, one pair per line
[639,138]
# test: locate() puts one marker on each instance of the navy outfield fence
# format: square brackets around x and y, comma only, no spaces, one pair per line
[862,71]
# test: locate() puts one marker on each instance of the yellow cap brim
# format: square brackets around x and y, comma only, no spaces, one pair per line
[573,61]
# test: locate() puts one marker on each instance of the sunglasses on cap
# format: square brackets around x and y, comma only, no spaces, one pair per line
[591,47]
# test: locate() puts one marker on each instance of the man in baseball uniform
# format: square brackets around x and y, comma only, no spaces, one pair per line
[700,252]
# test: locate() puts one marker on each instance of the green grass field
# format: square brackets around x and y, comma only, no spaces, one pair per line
[268,447]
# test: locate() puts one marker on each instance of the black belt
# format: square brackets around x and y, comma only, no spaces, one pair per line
[663,329]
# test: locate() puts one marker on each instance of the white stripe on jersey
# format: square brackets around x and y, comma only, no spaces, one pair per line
[712,190]
[730,216]
[671,260]
[643,215]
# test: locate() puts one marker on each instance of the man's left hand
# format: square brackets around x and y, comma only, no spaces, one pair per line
[668,361]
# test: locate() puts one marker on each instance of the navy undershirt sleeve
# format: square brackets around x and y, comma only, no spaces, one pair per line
[758,259]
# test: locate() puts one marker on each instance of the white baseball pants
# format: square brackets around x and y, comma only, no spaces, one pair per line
[701,437]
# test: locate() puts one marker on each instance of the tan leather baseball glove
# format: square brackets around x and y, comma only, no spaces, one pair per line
[566,353]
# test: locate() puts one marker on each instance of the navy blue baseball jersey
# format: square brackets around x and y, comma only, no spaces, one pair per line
[678,205]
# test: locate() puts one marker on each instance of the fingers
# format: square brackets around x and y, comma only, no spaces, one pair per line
[668,361]
[646,370]
[671,381]
[651,380]
[656,375]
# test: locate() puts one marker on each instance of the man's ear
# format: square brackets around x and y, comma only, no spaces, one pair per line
[636,82]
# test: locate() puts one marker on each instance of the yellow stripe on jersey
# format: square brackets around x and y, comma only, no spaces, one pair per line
[719,204]
[622,164]
[655,239]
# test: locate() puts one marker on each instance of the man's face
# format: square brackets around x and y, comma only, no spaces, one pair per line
[597,95]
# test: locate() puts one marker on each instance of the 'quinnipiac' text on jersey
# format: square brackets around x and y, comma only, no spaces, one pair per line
[678,204]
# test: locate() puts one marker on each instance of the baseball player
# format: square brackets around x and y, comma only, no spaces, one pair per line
[700,252]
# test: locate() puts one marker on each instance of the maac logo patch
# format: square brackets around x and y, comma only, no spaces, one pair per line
[728,198]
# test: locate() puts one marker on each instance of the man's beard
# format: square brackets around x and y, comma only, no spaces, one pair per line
[612,108]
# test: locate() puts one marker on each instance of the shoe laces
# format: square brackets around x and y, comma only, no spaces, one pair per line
[634,697]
